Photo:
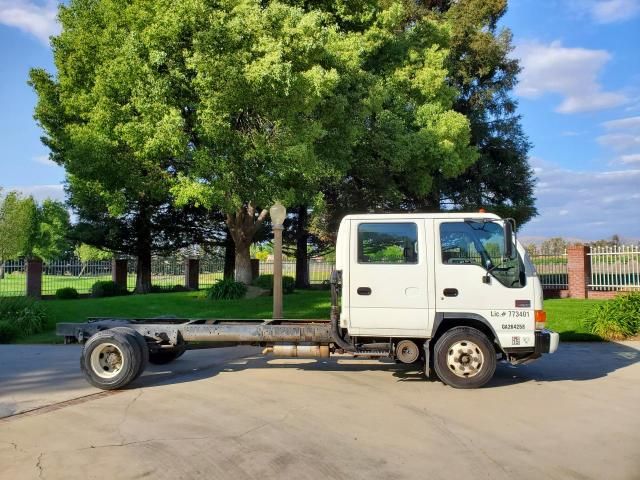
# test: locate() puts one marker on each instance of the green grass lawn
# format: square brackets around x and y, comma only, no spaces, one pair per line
[14,284]
[307,304]
[563,316]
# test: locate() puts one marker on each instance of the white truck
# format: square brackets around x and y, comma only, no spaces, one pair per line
[453,292]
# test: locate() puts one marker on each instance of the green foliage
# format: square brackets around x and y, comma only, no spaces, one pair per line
[168,289]
[616,319]
[67,293]
[50,238]
[20,316]
[106,288]
[87,253]
[8,331]
[266,282]
[554,246]
[17,216]
[227,289]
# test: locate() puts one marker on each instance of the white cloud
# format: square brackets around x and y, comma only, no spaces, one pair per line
[585,204]
[38,19]
[44,160]
[570,72]
[39,192]
[619,142]
[610,11]
[623,137]
[629,123]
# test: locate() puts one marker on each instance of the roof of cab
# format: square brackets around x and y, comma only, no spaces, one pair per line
[439,215]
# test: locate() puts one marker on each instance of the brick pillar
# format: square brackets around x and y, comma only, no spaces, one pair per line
[192,273]
[119,272]
[579,269]
[255,268]
[34,277]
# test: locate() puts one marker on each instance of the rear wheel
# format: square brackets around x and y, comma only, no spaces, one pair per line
[110,359]
[164,356]
[464,358]
[142,344]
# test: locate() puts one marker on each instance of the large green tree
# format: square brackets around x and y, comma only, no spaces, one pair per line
[484,73]
[117,119]
[297,98]
[16,226]
[49,237]
[231,105]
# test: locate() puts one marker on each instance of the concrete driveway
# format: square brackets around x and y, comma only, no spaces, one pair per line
[233,414]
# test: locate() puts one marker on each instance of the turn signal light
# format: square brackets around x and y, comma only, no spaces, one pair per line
[541,319]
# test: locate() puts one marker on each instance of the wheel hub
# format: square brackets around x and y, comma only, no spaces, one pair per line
[407,351]
[107,360]
[465,359]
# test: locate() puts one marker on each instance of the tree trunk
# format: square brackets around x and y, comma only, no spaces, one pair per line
[243,225]
[1,270]
[229,257]
[243,263]
[143,250]
[143,271]
[302,257]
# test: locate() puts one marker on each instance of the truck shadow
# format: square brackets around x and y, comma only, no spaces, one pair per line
[573,362]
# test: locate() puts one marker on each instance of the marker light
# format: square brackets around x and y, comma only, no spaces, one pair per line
[541,319]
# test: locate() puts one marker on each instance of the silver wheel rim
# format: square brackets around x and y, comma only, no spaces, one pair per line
[465,359]
[107,360]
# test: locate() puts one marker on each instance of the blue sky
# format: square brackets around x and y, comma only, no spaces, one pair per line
[579,96]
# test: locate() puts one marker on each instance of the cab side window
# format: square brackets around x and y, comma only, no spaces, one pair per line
[393,243]
[459,245]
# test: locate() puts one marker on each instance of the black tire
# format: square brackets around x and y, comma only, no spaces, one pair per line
[96,352]
[142,344]
[162,357]
[468,352]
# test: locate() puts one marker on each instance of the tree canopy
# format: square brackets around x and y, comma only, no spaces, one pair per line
[168,116]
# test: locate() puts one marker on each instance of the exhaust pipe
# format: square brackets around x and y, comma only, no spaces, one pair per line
[293,350]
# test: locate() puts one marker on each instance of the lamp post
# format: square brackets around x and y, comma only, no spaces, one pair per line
[278,213]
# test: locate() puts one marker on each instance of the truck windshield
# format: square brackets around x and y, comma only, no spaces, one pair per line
[480,243]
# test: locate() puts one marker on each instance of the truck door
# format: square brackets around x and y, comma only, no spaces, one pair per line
[465,251]
[388,278]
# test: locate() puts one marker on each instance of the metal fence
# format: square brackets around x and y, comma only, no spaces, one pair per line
[319,271]
[615,268]
[552,270]
[211,270]
[73,273]
[13,278]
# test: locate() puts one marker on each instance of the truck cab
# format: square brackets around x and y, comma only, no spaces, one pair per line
[455,289]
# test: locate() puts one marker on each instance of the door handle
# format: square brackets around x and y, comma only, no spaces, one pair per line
[364,291]
[450,292]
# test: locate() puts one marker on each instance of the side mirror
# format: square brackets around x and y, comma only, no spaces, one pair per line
[508,238]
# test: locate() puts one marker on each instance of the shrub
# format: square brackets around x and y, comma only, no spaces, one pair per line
[106,288]
[266,282]
[20,316]
[8,332]
[67,293]
[168,289]
[227,289]
[615,319]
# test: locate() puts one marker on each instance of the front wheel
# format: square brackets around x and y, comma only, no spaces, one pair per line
[464,358]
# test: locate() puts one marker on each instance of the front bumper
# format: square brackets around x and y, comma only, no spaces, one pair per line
[546,341]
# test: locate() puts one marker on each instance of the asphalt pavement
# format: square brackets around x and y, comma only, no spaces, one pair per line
[231,413]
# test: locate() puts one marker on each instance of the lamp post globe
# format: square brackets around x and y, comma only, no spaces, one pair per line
[278,213]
